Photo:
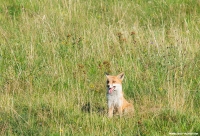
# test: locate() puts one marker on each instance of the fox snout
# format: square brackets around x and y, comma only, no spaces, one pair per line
[110,88]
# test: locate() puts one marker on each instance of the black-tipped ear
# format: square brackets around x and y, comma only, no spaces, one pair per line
[106,74]
[121,76]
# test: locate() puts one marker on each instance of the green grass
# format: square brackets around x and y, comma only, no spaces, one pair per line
[53,55]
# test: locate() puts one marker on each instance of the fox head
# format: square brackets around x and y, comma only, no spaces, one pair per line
[114,83]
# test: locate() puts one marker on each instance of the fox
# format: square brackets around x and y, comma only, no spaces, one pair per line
[115,96]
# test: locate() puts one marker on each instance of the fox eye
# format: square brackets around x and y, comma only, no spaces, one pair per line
[107,82]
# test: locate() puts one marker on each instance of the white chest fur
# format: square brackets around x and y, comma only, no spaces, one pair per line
[115,98]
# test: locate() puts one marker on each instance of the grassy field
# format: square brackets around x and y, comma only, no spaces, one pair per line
[53,55]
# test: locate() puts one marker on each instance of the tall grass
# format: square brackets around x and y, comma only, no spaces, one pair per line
[53,55]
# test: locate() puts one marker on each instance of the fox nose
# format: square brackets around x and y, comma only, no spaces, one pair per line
[109,86]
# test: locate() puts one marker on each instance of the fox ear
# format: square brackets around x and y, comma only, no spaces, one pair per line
[106,74]
[121,76]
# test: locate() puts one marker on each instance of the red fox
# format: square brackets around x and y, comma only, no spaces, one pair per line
[115,98]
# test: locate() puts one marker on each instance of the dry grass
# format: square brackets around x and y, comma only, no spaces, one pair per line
[53,55]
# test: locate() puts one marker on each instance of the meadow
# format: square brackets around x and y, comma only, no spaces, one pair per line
[54,53]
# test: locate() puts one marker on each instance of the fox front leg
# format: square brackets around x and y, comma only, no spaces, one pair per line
[110,112]
[120,110]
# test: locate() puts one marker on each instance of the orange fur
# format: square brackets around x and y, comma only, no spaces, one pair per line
[115,96]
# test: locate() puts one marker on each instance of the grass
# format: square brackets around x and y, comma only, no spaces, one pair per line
[53,55]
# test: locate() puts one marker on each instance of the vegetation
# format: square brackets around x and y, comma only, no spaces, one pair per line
[53,55]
